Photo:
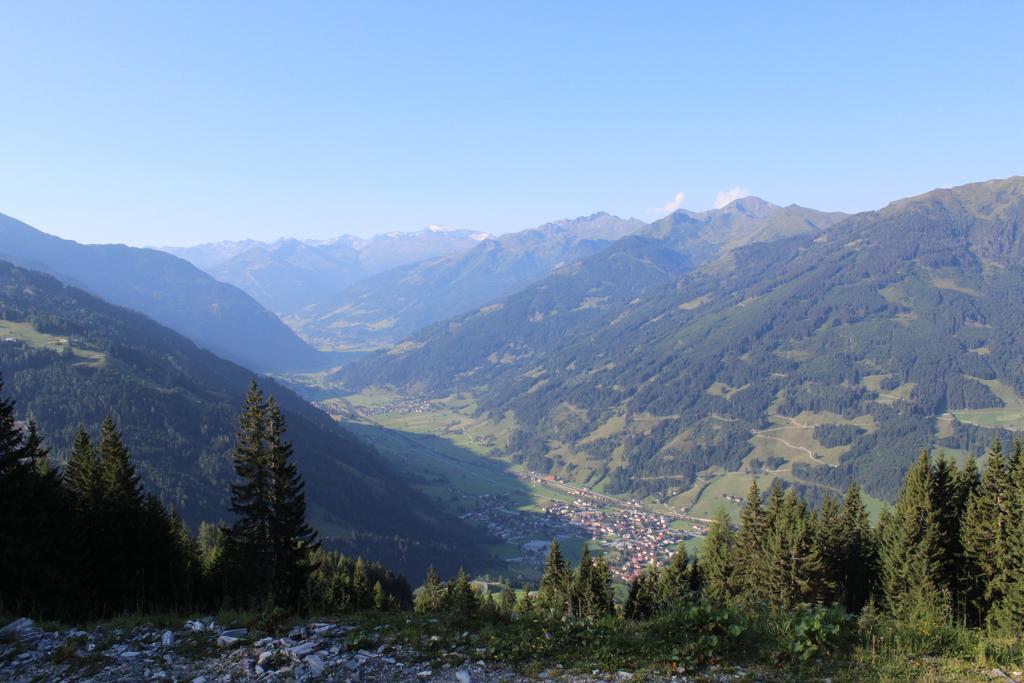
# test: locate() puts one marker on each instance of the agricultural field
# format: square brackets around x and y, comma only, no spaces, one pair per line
[23,332]
[1010,416]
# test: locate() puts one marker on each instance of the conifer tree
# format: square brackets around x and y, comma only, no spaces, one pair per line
[910,552]
[120,483]
[525,605]
[461,600]
[793,570]
[749,554]
[554,584]
[642,601]
[982,535]
[718,559]
[82,474]
[830,545]
[248,551]
[507,601]
[675,584]
[859,562]
[361,597]
[1006,616]
[602,600]
[580,598]
[10,435]
[430,597]
[291,539]
[946,504]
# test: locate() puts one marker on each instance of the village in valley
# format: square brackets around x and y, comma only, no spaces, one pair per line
[628,536]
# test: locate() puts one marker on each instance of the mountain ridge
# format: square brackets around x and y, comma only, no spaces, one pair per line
[168,289]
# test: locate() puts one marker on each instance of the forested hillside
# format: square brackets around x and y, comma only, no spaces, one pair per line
[894,330]
[170,290]
[383,309]
[69,358]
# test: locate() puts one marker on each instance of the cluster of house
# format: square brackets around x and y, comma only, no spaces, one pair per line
[531,531]
[401,406]
[630,537]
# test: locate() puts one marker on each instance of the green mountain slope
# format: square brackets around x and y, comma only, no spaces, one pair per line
[385,308]
[894,329]
[68,358]
[168,289]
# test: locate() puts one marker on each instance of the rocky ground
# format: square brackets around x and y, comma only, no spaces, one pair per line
[203,652]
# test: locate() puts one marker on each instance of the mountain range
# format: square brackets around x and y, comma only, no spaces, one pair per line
[817,347]
[382,310]
[170,290]
[289,274]
[70,359]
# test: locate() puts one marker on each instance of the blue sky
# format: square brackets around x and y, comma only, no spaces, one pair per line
[177,123]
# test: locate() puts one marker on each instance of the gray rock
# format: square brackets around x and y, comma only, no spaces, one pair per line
[315,664]
[167,640]
[464,676]
[426,673]
[302,650]
[17,627]
[235,632]
[227,641]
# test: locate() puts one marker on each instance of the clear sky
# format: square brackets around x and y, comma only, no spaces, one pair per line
[175,123]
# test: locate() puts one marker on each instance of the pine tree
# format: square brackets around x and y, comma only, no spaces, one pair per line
[946,504]
[291,538]
[430,597]
[602,594]
[121,486]
[1006,616]
[249,549]
[11,438]
[507,601]
[82,475]
[717,559]
[675,585]
[461,600]
[982,535]
[579,598]
[859,563]
[361,597]
[37,572]
[910,552]
[830,538]
[554,584]
[793,569]
[749,554]
[526,604]
[642,601]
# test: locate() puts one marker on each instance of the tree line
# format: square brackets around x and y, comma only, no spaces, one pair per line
[949,553]
[87,540]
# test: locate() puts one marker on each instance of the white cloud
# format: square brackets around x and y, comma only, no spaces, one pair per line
[674,205]
[726,197]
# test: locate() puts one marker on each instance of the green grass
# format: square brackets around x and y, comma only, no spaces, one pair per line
[25,332]
[1011,416]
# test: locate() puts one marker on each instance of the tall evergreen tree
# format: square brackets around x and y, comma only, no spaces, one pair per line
[859,563]
[430,597]
[911,551]
[291,539]
[792,569]
[718,558]
[554,584]
[248,551]
[1006,591]
[749,553]
[982,535]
